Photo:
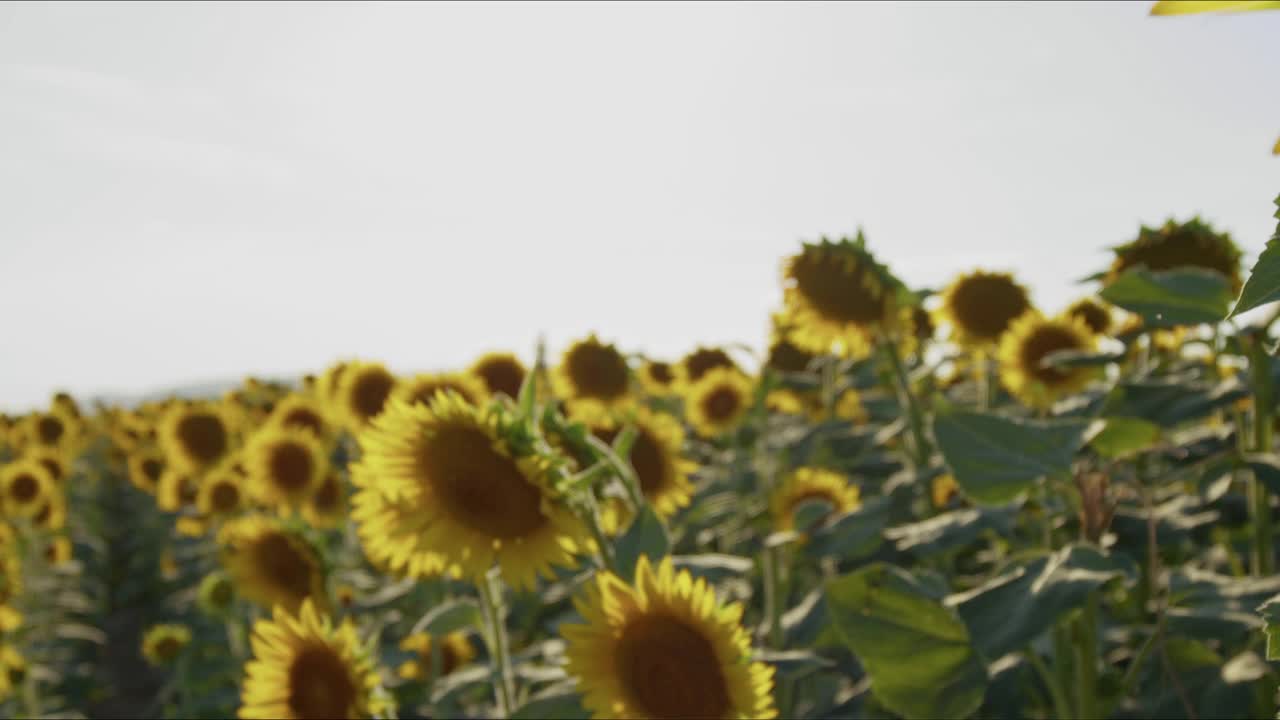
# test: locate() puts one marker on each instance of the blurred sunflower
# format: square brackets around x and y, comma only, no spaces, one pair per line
[58,551]
[838,297]
[271,565]
[52,515]
[593,375]
[362,392]
[13,669]
[55,430]
[811,483]
[304,413]
[52,460]
[455,651]
[162,644]
[980,306]
[443,487]
[1192,244]
[10,590]
[664,648]
[786,356]
[221,494]
[305,668]
[694,366]
[327,508]
[285,465]
[1095,315]
[500,373]
[177,489]
[216,593]
[195,436]
[1023,349]
[657,377]
[656,456]
[423,387]
[25,487]
[943,488]
[717,402]
[330,380]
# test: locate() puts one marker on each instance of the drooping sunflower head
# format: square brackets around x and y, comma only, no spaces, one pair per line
[501,373]
[327,508]
[1096,316]
[980,306]
[286,466]
[716,403]
[811,483]
[785,356]
[423,387]
[694,366]
[657,377]
[195,436]
[25,487]
[445,488]
[657,458]
[664,647]
[362,392]
[1023,350]
[838,297]
[271,564]
[455,651]
[305,668]
[594,374]
[162,644]
[1193,244]
[304,413]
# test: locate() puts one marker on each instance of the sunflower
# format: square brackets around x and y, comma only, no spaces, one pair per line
[1094,314]
[455,652]
[59,550]
[423,387]
[500,373]
[286,466]
[718,401]
[177,489]
[943,488]
[216,593]
[52,460]
[811,483]
[838,297]
[694,366]
[10,589]
[303,413]
[330,380]
[195,436]
[25,487]
[445,487]
[656,457]
[221,494]
[327,508]
[13,669]
[785,356]
[657,377]
[1023,349]
[593,375]
[362,392]
[306,668]
[56,430]
[52,515]
[1192,244]
[664,648]
[162,644]
[980,306]
[270,564]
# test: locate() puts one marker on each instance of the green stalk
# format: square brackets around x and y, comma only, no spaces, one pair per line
[983,371]
[919,446]
[1062,657]
[775,600]
[1259,498]
[597,532]
[496,637]
[829,366]
[1061,707]
[1087,659]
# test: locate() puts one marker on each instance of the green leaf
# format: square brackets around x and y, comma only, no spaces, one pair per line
[853,535]
[560,706]
[1270,611]
[1012,610]
[994,458]
[917,652]
[1121,436]
[646,536]
[1265,467]
[810,512]
[1185,296]
[713,566]
[1263,285]
[450,617]
[950,531]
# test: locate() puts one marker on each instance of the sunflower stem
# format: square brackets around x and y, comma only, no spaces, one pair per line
[1259,498]
[983,372]
[496,637]
[597,532]
[1086,632]
[829,366]
[629,480]
[906,397]
[1061,706]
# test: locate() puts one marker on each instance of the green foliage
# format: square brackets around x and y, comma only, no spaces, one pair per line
[1169,298]
[995,459]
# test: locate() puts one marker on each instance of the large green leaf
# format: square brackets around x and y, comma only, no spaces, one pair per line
[1121,436]
[646,536]
[1013,609]
[1171,401]
[917,652]
[1263,285]
[1185,296]
[950,531]
[995,458]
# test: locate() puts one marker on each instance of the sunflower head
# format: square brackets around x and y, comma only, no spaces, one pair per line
[656,456]
[1180,245]
[216,594]
[304,413]
[286,466]
[162,644]
[980,306]
[455,652]
[838,297]
[362,392]
[448,487]
[423,387]
[1023,350]
[56,430]
[52,460]
[594,374]
[501,373]
[664,647]
[1096,316]
[657,377]
[694,366]
[305,668]
[195,436]
[271,564]
[221,494]
[327,508]
[717,402]
[25,488]
[52,514]
[785,356]
[811,483]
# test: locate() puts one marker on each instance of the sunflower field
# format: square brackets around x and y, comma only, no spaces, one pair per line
[911,504]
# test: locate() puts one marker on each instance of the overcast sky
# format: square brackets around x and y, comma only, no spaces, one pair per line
[194,192]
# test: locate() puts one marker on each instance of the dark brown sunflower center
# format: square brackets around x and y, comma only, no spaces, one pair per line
[661,373]
[921,323]
[701,361]
[327,497]
[46,512]
[370,392]
[152,469]
[647,457]
[53,466]
[188,490]
[291,467]
[838,291]
[502,376]
[50,430]
[1042,341]
[320,685]
[225,497]
[984,305]
[785,357]
[167,648]
[1097,318]
[482,488]
[448,659]
[221,594]
[304,418]
[722,403]
[24,489]
[203,437]
[598,371]
[284,565]
[670,670]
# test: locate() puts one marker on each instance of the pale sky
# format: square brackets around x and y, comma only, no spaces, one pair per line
[195,192]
